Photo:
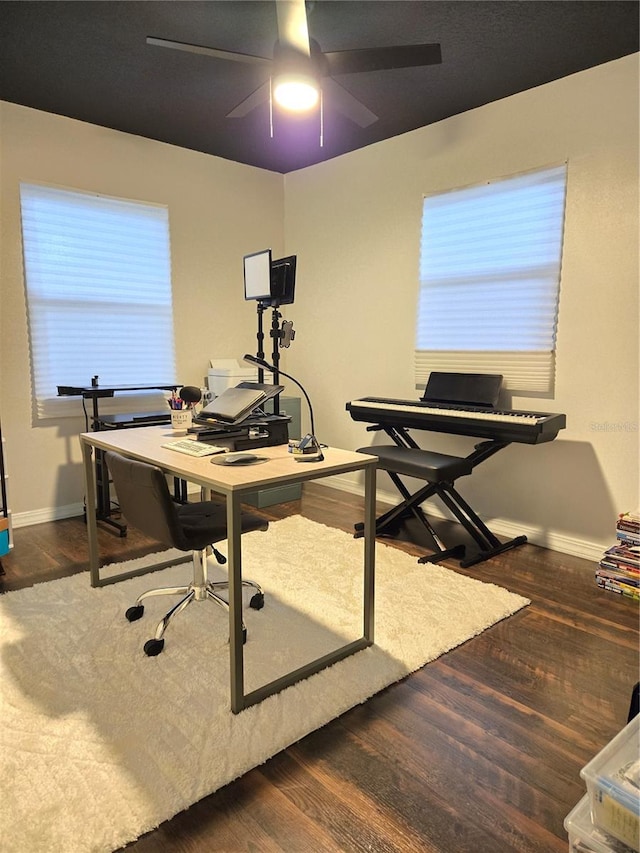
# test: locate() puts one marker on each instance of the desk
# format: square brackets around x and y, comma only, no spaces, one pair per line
[145,444]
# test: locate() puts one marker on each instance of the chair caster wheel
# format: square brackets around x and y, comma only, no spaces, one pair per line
[257,601]
[153,647]
[134,612]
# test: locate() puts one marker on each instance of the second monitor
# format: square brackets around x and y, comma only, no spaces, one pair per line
[268,281]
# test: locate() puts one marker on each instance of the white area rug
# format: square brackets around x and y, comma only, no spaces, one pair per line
[99,743]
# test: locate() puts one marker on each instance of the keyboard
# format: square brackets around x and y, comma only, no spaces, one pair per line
[509,425]
[194,448]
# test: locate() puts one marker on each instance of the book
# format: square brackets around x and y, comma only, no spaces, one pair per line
[628,537]
[632,574]
[620,577]
[629,522]
[619,568]
[620,589]
[624,555]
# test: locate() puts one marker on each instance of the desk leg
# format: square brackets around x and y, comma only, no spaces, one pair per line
[369,550]
[90,511]
[240,701]
[235,604]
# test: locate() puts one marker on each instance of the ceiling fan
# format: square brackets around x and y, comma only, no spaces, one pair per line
[300,73]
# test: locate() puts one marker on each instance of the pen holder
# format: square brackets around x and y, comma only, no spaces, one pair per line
[181,419]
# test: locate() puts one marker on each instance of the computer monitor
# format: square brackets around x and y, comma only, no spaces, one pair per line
[257,275]
[283,280]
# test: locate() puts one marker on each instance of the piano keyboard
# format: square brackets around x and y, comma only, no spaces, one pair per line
[511,425]
[512,417]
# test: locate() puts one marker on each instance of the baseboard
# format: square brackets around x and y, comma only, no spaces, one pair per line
[550,539]
[586,549]
[39,516]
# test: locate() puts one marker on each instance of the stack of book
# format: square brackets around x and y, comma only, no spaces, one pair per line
[619,568]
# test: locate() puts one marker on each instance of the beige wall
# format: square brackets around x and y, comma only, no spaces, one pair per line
[354,223]
[218,211]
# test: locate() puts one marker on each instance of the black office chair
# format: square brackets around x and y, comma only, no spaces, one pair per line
[145,501]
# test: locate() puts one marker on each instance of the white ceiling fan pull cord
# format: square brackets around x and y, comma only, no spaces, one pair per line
[271,106]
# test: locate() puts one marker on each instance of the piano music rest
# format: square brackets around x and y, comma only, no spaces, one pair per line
[439,471]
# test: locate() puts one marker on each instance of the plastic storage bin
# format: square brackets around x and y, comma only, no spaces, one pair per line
[584,837]
[613,780]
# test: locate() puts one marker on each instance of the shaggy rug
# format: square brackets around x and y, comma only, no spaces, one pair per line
[99,743]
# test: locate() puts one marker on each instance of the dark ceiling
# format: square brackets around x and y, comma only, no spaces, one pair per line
[90,61]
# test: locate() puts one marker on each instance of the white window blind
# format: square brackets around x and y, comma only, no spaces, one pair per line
[98,283]
[489,280]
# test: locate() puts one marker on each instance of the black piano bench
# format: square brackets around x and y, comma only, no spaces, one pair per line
[422,464]
[439,471]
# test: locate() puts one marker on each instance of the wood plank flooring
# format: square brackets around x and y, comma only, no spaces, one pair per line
[479,752]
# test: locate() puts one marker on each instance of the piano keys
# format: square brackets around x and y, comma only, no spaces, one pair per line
[503,426]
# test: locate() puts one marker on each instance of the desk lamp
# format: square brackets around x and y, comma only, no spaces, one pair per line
[312,440]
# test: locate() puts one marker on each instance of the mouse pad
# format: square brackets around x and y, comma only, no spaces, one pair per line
[239,463]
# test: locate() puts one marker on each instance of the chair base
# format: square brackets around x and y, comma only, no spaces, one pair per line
[201,589]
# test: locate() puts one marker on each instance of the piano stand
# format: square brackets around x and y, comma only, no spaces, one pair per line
[440,471]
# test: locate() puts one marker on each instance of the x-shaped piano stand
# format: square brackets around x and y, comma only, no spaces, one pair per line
[406,458]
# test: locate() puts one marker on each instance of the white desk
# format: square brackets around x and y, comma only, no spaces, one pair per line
[145,444]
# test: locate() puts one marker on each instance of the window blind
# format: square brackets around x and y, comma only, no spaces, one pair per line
[98,285]
[490,265]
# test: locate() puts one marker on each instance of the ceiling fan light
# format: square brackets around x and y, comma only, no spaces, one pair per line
[295,92]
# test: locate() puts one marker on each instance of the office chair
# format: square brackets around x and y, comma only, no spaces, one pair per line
[145,501]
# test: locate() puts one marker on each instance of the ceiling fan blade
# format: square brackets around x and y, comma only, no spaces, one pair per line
[382,58]
[293,31]
[254,100]
[346,103]
[208,51]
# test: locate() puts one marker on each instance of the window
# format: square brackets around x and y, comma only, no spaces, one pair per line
[98,283]
[489,280]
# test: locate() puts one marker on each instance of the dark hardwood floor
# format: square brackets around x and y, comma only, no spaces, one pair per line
[479,752]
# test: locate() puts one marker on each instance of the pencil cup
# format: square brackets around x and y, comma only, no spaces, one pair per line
[181,419]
